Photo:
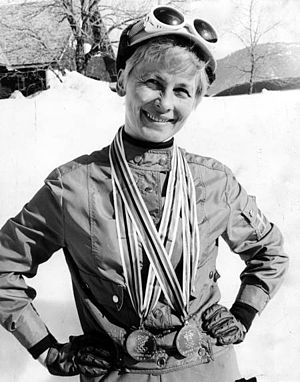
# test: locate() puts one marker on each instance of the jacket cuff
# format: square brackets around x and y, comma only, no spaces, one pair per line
[42,345]
[254,296]
[29,328]
[244,313]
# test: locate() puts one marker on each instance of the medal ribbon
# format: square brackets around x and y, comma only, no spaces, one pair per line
[158,246]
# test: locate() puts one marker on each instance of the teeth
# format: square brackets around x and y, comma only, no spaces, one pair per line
[155,118]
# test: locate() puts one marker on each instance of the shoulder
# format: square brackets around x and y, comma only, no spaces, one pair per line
[80,164]
[207,164]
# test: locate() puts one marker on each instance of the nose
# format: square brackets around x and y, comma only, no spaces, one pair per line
[164,103]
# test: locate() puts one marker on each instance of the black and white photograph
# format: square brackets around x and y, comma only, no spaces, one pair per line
[149,190]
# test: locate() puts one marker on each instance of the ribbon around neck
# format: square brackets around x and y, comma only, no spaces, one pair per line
[134,222]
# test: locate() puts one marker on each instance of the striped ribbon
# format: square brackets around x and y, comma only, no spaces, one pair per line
[136,231]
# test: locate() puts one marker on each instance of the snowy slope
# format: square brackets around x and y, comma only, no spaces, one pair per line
[257,136]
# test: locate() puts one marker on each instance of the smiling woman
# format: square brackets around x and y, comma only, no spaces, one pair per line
[139,223]
[163,82]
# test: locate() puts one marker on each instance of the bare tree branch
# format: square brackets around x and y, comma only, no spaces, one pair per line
[252,32]
[94,24]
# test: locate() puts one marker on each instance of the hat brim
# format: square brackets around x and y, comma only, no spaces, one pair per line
[198,46]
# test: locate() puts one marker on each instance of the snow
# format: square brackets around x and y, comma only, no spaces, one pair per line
[257,136]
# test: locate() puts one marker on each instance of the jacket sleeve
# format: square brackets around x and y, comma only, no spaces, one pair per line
[26,241]
[258,242]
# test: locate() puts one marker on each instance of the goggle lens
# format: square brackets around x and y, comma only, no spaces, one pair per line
[205,30]
[168,16]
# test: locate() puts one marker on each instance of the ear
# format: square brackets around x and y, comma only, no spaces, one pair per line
[198,99]
[121,88]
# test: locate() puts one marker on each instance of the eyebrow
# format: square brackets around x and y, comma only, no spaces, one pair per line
[183,85]
[157,76]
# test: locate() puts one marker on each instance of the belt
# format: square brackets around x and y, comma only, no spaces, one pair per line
[184,347]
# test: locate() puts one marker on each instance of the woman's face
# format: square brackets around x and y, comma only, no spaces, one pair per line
[158,101]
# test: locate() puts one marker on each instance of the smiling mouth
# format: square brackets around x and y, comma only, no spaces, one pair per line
[154,118]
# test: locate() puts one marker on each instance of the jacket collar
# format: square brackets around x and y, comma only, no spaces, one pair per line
[148,155]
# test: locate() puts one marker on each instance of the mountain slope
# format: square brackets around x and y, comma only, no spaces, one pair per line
[278,61]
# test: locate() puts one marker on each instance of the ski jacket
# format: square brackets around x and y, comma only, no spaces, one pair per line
[74,211]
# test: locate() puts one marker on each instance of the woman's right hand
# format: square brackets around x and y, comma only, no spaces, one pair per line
[89,355]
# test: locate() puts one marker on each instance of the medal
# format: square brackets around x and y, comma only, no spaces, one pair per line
[134,222]
[141,345]
[188,340]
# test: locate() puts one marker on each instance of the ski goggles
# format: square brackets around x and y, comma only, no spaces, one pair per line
[170,19]
[165,21]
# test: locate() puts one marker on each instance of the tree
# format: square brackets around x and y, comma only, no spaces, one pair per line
[89,32]
[252,27]
[95,25]
[39,25]
[100,22]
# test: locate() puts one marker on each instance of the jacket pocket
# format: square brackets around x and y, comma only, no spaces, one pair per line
[105,292]
[256,218]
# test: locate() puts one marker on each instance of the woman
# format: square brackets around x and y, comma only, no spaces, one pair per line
[139,223]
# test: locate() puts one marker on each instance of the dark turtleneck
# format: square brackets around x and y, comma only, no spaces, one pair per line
[147,144]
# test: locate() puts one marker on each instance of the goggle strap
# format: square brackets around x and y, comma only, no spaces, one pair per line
[136,28]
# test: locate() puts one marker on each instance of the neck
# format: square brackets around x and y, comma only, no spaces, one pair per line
[147,144]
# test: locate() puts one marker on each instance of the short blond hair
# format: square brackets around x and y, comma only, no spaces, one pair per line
[169,51]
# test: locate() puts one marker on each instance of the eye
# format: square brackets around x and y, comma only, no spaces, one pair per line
[182,92]
[153,83]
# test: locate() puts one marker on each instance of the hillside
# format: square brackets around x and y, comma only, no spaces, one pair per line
[290,83]
[279,61]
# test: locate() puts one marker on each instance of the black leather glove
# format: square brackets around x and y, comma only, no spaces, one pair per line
[89,354]
[221,324]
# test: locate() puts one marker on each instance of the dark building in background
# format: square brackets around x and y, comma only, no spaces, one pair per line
[36,37]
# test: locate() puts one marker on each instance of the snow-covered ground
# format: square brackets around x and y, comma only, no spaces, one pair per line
[257,136]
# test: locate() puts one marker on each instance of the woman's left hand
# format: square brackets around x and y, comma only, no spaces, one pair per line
[221,324]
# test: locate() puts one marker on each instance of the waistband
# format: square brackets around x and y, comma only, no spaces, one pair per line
[172,363]
[166,357]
